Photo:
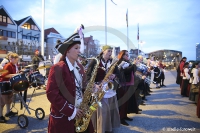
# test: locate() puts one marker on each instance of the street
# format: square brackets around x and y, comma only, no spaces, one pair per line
[165,111]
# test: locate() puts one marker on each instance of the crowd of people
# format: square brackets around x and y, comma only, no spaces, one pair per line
[188,79]
[123,84]
[9,68]
[70,74]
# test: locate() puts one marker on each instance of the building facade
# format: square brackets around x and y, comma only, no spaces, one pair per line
[19,36]
[170,58]
[91,47]
[51,36]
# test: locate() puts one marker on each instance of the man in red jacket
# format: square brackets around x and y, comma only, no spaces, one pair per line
[6,99]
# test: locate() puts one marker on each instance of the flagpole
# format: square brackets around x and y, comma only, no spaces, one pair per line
[42,29]
[127,40]
[127,31]
[105,24]
[138,40]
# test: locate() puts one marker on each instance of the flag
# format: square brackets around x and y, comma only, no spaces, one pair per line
[138,34]
[127,17]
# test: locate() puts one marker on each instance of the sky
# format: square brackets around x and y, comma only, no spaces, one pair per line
[163,24]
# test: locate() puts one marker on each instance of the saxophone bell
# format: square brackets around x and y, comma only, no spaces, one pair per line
[110,86]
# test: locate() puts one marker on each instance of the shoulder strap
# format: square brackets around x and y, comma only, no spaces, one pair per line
[61,85]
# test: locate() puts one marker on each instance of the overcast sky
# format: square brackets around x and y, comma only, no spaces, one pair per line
[163,24]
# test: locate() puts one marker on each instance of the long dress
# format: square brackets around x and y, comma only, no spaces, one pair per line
[185,82]
[179,73]
[157,74]
[194,80]
[107,116]
[198,104]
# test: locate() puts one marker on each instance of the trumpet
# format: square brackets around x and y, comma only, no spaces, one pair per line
[146,80]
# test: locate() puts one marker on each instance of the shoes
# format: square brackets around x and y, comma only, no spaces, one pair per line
[148,94]
[128,119]
[139,109]
[10,114]
[138,113]
[158,87]
[2,119]
[123,122]
[164,85]
[142,104]
[38,88]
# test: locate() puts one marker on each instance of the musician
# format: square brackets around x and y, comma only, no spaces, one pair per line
[198,102]
[5,60]
[107,115]
[64,88]
[157,73]
[126,93]
[162,76]
[37,58]
[142,88]
[186,78]
[194,80]
[6,99]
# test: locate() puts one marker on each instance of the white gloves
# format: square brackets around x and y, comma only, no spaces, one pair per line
[123,65]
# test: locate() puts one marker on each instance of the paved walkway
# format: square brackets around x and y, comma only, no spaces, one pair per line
[166,110]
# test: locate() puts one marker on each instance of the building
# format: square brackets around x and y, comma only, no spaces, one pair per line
[91,47]
[169,57]
[19,36]
[51,36]
[8,31]
[198,51]
[134,53]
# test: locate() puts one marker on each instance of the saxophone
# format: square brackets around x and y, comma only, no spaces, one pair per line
[91,99]
[88,103]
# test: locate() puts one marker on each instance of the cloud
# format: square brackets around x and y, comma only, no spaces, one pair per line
[163,23]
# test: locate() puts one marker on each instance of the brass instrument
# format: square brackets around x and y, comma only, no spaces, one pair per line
[88,103]
[91,99]
[146,80]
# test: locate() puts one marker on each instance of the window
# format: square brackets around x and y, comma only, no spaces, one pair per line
[9,34]
[4,19]
[13,35]
[1,17]
[34,27]
[26,26]
[9,21]
[4,33]
[23,37]
[28,37]
[32,38]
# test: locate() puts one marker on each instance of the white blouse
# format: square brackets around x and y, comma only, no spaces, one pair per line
[186,74]
[195,75]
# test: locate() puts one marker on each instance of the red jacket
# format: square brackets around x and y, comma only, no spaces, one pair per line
[60,92]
